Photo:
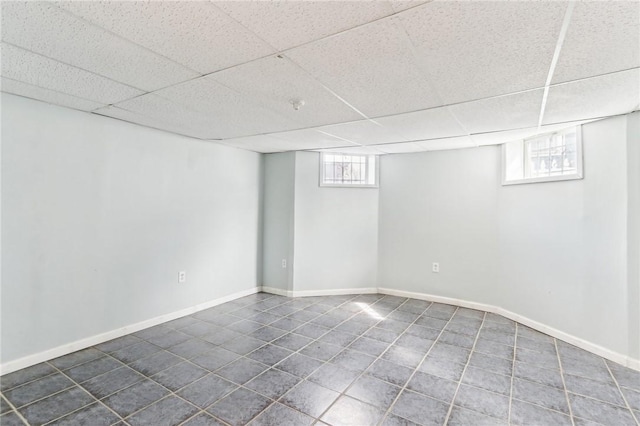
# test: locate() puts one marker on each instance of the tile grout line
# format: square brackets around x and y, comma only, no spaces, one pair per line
[14,409]
[513,371]
[624,398]
[464,370]
[415,370]
[564,385]
[389,345]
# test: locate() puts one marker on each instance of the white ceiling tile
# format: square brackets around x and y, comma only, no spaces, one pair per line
[364,132]
[230,113]
[371,67]
[610,94]
[362,150]
[400,148]
[476,49]
[310,139]
[497,138]
[156,122]
[500,113]
[400,5]
[447,143]
[427,124]
[602,37]
[194,33]
[285,24]
[273,81]
[46,95]
[261,143]
[50,31]
[22,65]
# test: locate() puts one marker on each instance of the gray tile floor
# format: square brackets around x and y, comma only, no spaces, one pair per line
[336,360]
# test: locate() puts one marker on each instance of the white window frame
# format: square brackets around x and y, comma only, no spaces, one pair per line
[368,171]
[573,176]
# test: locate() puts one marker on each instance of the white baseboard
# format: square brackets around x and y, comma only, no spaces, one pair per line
[310,293]
[29,360]
[566,337]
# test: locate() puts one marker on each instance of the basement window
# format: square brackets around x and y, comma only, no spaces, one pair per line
[543,158]
[348,170]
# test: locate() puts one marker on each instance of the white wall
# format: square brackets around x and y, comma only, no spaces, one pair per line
[553,252]
[335,232]
[633,218]
[98,217]
[279,178]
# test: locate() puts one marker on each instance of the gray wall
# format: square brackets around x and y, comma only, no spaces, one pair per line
[279,179]
[335,232]
[633,217]
[98,217]
[553,252]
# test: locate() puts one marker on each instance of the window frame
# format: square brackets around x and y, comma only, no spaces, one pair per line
[368,157]
[579,174]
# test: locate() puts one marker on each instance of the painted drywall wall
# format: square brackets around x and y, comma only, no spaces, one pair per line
[98,217]
[563,244]
[335,232]
[553,252]
[633,223]
[440,207]
[279,178]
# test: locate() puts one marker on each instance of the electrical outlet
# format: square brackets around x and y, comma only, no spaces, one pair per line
[182,276]
[435,268]
[284,263]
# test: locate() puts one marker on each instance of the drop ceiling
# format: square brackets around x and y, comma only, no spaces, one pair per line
[374,76]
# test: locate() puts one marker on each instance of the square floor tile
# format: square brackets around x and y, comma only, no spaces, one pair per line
[166,412]
[537,374]
[600,412]
[463,417]
[299,365]
[374,391]
[93,368]
[482,401]
[56,406]
[25,375]
[227,409]
[321,351]
[487,380]
[242,370]
[607,392]
[390,372]
[333,377]
[111,382]
[403,356]
[95,414]
[179,375]
[273,383]
[279,415]
[38,389]
[76,358]
[433,386]
[420,409]
[117,344]
[135,352]
[156,363]
[207,390]
[269,354]
[351,412]
[292,341]
[545,396]
[523,413]
[215,359]
[310,398]
[191,348]
[353,360]
[135,397]
[203,419]
[243,345]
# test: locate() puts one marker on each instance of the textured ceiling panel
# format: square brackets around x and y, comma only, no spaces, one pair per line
[496,138]
[602,37]
[471,50]
[310,139]
[143,120]
[427,124]
[292,23]
[611,94]
[362,150]
[400,5]
[46,95]
[272,82]
[230,113]
[400,148]
[447,143]
[501,113]
[28,67]
[47,30]
[371,67]
[193,33]
[261,143]
[364,132]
